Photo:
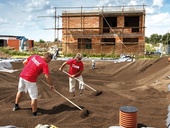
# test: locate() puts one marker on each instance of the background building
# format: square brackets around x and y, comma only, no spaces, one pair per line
[16,42]
[104,31]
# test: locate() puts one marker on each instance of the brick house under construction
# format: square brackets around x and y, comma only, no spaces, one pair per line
[104,31]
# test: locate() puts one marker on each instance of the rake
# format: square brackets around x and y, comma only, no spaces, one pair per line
[96,92]
[84,112]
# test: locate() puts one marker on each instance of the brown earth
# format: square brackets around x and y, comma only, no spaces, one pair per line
[142,84]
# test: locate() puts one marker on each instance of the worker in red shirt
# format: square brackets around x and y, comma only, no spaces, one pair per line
[76,68]
[33,67]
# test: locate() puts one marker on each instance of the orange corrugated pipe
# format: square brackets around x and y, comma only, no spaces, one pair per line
[128,117]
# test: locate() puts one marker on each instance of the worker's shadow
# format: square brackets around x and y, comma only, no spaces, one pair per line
[56,109]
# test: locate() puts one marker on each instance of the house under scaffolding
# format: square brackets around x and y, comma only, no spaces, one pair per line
[111,30]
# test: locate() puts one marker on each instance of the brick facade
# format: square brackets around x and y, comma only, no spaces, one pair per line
[81,28]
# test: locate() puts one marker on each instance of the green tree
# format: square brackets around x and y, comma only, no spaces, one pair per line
[166,38]
[41,41]
[155,38]
[147,39]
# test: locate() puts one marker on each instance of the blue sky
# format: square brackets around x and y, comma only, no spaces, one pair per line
[23,17]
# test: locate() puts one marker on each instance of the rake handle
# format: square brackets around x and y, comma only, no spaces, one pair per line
[80,81]
[62,95]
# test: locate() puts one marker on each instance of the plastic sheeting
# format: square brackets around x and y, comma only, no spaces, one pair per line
[5,65]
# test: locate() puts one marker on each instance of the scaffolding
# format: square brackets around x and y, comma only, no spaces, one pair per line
[104,31]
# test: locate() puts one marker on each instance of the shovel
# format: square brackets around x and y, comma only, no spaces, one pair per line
[84,112]
[96,92]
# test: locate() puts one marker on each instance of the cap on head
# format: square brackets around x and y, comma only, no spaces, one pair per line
[78,56]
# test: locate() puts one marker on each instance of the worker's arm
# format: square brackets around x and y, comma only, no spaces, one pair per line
[78,73]
[25,62]
[62,66]
[48,79]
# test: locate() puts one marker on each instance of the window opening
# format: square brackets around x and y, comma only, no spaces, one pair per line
[84,43]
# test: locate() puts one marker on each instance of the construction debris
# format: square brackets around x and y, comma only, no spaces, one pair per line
[125,58]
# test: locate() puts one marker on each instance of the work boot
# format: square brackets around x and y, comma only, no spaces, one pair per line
[81,92]
[16,107]
[34,113]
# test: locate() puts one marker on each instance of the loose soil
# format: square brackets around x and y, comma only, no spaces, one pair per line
[142,84]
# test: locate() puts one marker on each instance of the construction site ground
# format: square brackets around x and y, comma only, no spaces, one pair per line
[142,84]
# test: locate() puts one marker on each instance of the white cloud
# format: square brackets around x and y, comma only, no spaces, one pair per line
[23,14]
[3,21]
[158,3]
[50,11]
[28,21]
[157,23]
[161,19]
[29,18]
[150,10]
[133,2]
[36,5]
[110,3]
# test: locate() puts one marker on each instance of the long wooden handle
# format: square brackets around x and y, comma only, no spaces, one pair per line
[80,81]
[62,95]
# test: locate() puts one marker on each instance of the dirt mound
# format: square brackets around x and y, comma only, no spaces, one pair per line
[142,84]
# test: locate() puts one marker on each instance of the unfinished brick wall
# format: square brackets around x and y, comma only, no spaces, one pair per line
[91,27]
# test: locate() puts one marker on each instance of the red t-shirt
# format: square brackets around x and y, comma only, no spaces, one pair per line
[75,66]
[35,66]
